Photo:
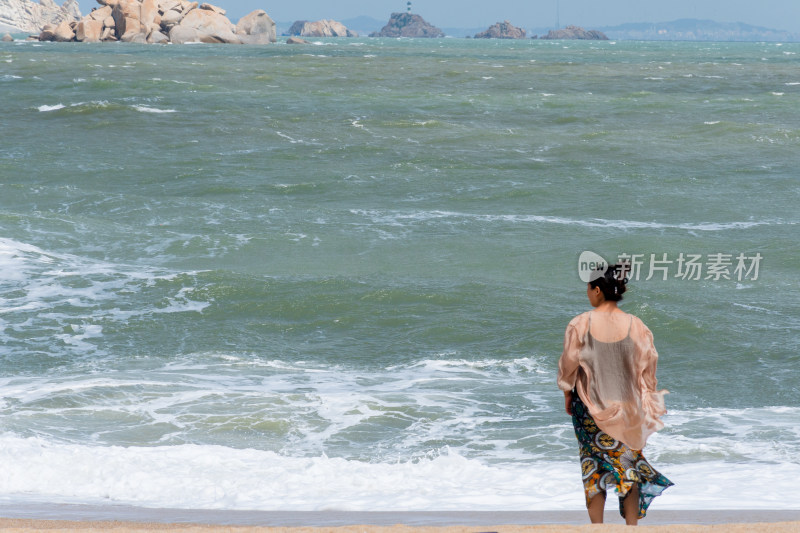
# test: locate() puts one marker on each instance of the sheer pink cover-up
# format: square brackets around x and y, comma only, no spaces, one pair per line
[614,374]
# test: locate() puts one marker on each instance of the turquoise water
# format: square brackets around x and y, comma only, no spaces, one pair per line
[360,257]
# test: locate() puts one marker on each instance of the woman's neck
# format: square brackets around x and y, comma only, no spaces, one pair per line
[607,307]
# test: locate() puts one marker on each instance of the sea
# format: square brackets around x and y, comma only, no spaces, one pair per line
[337,276]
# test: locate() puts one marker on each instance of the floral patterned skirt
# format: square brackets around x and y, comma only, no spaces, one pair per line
[607,463]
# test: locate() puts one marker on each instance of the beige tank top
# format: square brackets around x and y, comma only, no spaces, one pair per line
[612,369]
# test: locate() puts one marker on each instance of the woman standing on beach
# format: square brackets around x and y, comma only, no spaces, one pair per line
[608,374]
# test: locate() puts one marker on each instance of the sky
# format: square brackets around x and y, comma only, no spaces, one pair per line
[589,14]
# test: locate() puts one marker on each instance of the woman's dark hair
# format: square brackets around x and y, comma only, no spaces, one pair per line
[612,282]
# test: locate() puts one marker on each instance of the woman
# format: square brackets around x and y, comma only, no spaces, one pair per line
[608,374]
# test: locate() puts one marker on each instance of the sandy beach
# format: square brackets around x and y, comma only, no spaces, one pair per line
[130,519]
[13,525]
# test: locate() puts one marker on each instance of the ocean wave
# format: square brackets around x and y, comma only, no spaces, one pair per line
[80,107]
[404,218]
[147,109]
[513,366]
[46,108]
[216,477]
[100,105]
[735,435]
[60,298]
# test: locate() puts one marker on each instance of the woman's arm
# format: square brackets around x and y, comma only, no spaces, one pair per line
[568,402]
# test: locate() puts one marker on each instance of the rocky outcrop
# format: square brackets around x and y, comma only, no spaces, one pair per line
[574,32]
[320,28]
[502,30]
[257,28]
[296,40]
[7,38]
[160,22]
[31,17]
[408,25]
[296,28]
[204,25]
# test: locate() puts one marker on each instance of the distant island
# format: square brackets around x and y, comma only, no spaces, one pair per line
[697,30]
[408,25]
[677,30]
[502,30]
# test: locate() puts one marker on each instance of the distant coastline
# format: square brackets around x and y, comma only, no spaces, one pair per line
[676,30]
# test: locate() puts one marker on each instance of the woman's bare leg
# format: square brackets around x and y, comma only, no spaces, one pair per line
[631,506]
[595,507]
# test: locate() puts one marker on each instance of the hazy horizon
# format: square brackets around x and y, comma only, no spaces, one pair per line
[773,14]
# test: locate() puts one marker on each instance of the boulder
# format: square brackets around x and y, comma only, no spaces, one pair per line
[48,33]
[256,28]
[296,40]
[156,37]
[408,25]
[89,30]
[127,15]
[502,30]
[139,38]
[215,9]
[64,32]
[171,18]
[166,5]
[7,38]
[100,14]
[183,34]
[148,15]
[108,34]
[575,32]
[324,28]
[211,27]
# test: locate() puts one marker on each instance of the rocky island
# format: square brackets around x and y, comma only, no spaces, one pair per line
[575,32]
[408,25]
[320,28]
[502,30]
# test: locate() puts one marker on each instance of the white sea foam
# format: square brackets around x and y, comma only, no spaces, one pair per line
[404,218]
[147,109]
[43,282]
[216,477]
[46,108]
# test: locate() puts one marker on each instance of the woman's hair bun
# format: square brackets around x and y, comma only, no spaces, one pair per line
[613,281]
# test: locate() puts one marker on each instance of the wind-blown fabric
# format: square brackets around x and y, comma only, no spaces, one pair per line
[616,380]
